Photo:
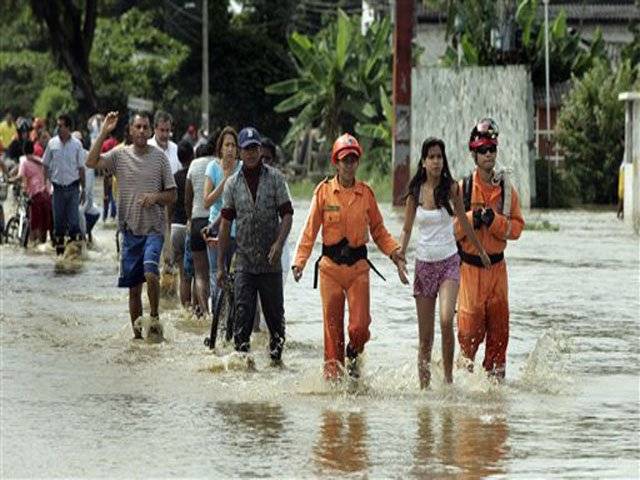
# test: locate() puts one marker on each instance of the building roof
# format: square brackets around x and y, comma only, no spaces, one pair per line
[613,11]
[607,12]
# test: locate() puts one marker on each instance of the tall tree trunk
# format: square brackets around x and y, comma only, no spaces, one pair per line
[71,40]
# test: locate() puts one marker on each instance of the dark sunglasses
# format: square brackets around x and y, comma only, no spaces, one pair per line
[485,150]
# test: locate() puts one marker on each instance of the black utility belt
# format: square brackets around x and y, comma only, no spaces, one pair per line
[342,254]
[476,261]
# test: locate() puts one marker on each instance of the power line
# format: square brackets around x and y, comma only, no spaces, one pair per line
[187,33]
[184,12]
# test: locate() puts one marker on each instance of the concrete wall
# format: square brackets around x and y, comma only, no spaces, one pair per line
[632,157]
[447,103]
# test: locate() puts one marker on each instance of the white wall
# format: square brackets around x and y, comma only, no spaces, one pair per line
[447,103]
[632,165]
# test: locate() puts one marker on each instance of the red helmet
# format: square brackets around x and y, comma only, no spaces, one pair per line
[485,133]
[345,144]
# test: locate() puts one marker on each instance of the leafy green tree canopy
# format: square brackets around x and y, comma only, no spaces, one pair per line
[132,57]
[591,129]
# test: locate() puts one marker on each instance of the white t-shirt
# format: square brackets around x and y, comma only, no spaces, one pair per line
[196,174]
[171,152]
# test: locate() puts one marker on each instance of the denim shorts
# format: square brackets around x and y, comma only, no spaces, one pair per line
[139,254]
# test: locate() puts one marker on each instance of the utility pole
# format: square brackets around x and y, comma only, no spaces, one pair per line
[205,66]
[401,128]
[547,101]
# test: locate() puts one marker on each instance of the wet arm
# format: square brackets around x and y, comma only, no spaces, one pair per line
[188,198]
[223,242]
[94,159]
[212,194]
[381,236]
[458,230]
[310,231]
[285,228]
[409,218]
[166,197]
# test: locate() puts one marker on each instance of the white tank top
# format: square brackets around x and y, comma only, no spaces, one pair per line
[435,235]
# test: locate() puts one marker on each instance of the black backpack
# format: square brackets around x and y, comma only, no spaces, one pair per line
[467,189]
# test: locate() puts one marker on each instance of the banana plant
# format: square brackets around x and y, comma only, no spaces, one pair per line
[340,73]
[568,53]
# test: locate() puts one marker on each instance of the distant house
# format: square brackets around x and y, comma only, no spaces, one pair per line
[612,17]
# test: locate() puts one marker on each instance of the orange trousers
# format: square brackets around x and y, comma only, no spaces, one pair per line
[336,283]
[483,313]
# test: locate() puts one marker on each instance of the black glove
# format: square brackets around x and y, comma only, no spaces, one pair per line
[487,216]
[477,218]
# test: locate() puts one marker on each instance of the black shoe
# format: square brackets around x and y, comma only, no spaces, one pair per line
[277,362]
[353,369]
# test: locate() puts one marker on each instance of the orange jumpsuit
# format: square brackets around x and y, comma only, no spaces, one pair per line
[483,299]
[351,213]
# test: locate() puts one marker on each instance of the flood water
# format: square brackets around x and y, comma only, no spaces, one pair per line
[80,399]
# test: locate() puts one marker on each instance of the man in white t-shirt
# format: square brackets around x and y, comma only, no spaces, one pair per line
[162,125]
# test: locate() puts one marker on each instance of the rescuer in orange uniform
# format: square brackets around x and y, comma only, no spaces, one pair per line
[493,207]
[347,211]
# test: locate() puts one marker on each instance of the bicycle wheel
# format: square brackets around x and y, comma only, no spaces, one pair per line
[11,229]
[210,341]
[24,234]
[231,314]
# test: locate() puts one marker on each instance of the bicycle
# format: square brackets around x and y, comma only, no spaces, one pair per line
[4,193]
[17,228]
[223,308]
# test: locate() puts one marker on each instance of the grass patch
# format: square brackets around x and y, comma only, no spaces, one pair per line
[302,189]
[382,185]
[541,226]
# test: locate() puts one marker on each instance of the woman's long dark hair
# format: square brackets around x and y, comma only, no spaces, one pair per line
[442,191]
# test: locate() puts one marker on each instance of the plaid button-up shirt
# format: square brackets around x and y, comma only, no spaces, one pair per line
[257,223]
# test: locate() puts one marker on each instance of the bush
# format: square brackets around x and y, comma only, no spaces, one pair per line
[591,130]
[563,187]
[23,75]
[54,100]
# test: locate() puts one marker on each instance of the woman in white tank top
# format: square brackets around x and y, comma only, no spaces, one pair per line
[431,202]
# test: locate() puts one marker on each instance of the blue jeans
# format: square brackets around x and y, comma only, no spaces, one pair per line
[212,253]
[109,203]
[66,201]
[139,254]
[91,220]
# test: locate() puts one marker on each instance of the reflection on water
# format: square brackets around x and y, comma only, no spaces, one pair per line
[342,442]
[453,440]
[263,420]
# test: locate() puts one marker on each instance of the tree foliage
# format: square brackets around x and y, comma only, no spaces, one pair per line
[71,26]
[343,82]
[591,129]
[23,75]
[132,57]
[247,52]
[478,26]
